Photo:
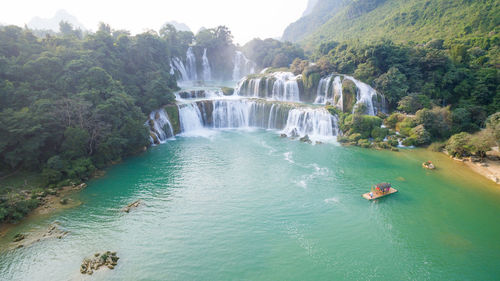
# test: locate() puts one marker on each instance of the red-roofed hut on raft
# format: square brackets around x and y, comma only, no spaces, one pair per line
[379,190]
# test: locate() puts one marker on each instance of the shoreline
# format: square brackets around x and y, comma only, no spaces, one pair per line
[49,205]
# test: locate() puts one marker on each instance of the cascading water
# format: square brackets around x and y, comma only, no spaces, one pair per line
[284,87]
[242,66]
[181,69]
[318,124]
[160,126]
[338,99]
[322,91]
[207,73]
[365,94]
[191,65]
[190,118]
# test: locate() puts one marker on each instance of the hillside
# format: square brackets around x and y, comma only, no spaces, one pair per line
[398,20]
[317,13]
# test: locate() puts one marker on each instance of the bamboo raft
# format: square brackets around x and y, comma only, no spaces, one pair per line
[379,194]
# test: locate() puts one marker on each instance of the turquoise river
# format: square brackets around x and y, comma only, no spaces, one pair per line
[249,205]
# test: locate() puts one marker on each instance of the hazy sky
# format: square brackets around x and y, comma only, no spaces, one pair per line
[247,19]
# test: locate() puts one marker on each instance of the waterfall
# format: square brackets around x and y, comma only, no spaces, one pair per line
[286,88]
[365,94]
[322,92]
[198,94]
[207,73]
[294,121]
[190,118]
[180,68]
[160,126]
[338,100]
[191,65]
[242,66]
[318,124]
[172,71]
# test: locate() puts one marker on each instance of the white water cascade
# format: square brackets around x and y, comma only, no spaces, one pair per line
[191,65]
[280,86]
[365,94]
[293,120]
[181,69]
[337,93]
[318,124]
[242,66]
[286,88]
[322,91]
[190,118]
[160,126]
[207,73]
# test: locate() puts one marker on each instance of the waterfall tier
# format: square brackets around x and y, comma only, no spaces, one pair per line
[284,86]
[293,120]
[160,127]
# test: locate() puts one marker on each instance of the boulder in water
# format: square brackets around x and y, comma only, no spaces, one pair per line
[305,139]
[294,133]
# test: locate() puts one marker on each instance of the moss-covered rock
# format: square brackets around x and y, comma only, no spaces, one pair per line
[349,91]
[227,91]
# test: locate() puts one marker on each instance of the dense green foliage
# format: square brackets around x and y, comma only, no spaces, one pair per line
[272,53]
[399,20]
[423,72]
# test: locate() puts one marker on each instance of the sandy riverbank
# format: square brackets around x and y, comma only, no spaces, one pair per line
[488,168]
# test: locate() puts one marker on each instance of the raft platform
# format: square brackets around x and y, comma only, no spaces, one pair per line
[377,195]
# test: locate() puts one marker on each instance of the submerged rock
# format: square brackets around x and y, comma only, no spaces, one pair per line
[18,237]
[305,139]
[131,206]
[107,259]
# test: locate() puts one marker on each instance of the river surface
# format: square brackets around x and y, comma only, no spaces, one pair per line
[249,205]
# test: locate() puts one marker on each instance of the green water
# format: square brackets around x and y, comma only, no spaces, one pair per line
[253,206]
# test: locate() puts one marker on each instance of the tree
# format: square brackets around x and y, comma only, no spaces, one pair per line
[392,84]
[414,102]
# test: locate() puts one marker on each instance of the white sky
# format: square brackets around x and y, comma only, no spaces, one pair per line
[247,19]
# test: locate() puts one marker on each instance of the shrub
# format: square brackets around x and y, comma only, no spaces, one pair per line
[393,119]
[459,145]
[404,127]
[364,143]
[414,102]
[379,133]
[420,135]
[354,137]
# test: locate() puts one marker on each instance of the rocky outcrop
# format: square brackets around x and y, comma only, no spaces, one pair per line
[27,239]
[107,259]
[348,95]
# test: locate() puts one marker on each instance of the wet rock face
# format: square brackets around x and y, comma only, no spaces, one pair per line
[106,259]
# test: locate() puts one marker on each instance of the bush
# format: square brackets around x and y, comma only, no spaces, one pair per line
[364,143]
[420,135]
[393,119]
[459,145]
[493,123]
[354,137]
[437,121]
[414,102]
[379,133]
[404,127]
[364,124]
